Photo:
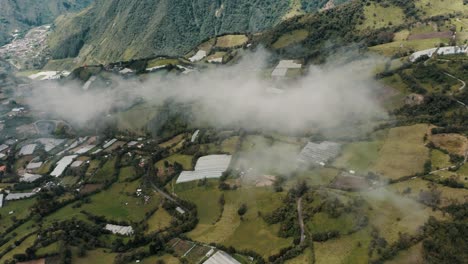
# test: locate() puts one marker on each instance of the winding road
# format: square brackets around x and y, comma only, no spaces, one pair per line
[301,219]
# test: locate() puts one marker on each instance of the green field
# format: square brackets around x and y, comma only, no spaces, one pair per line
[440,7]
[314,177]
[229,41]
[322,222]
[120,203]
[20,211]
[439,160]
[162,62]
[290,38]
[136,118]
[204,197]
[359,156]
[126,173]
[346,249]
[105,173]
[251,233]
[378,16]
[403,152]
[411,255]
[184,160]
[448,195]
[94,256]
[159,220]
[391,213]
[389,49]
[167,259]
[20,249]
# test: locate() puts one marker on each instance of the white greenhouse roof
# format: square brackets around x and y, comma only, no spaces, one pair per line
[319,153]
[221,257]
[195,135]
[18,196]
[209,167]
[27,149]
[109,143]
[62,165]
[28,177]
[50,143]
[121,230]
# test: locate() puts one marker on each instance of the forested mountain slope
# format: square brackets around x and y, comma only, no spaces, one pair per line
[23,14]
[114,30]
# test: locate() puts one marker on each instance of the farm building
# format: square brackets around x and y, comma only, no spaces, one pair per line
[28,177]
[18,196]
[50,143]
[62,165]
[3,147]
[34,165]
[283,67]
[84,149]
[121,230]
[418,54]
[76,164]
[319,153]
[109,143]
[27,149]
[211,166]
[195,135]
[221,257]
[132,143]
[451,50]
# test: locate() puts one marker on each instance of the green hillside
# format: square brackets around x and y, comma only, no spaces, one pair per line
[115,31]
[23,14]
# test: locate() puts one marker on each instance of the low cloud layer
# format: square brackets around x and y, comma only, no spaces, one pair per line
[337,92]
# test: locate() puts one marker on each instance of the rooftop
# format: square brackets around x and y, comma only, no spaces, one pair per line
[221,257]
[211,166]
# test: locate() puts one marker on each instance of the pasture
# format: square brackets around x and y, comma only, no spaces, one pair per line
[231,41]
[403,152]
[377,16]
[250,233]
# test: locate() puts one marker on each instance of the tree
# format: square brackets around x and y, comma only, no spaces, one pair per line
[242,210]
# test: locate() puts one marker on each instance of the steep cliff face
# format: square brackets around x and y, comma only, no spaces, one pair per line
[23,14]
[115,30]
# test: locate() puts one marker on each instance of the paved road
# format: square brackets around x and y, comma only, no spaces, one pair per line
[461,81]
[301,219]
[167,196]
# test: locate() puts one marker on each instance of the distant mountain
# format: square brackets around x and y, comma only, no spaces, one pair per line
[113,30]
[23,14]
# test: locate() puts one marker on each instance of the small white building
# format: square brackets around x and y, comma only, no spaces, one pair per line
[121,230]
